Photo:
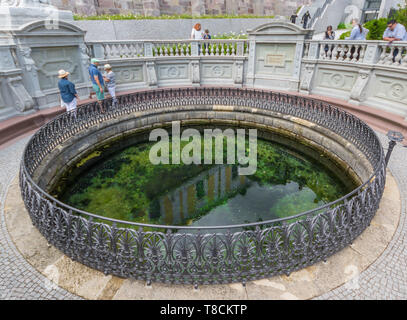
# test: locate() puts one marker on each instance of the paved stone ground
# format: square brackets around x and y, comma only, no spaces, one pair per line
[387,277]
[384,279]
[18,279]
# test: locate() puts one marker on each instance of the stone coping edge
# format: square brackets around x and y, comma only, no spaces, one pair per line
[379,120]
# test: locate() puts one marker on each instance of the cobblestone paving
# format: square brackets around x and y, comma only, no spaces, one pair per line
[386,278]
[18,279]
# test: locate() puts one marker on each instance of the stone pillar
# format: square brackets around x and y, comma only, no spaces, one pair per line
[151,74]
[151,8]
[198,7]
[358,93]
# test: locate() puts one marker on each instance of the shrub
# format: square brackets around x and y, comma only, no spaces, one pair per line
[401,15]
[345,35]
[341,26]
[376,28]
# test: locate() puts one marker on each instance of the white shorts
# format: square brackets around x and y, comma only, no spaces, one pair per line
[112,91]
[69,105]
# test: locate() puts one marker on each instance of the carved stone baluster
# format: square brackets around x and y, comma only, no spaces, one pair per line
[382,57]
[349,52]
[389,57]
[131,50]
[335,52]
[322,53]
[362,53]
[329,52]
[181,49]
[213,49]
[341,49]
[404,60]
[356,51]
[108,51]
[126,51]
[397,59]
[184,49]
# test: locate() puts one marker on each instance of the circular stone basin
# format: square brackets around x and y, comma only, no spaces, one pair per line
[309,154]
[126,185]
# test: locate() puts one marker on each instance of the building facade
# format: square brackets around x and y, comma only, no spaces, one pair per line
[173,7]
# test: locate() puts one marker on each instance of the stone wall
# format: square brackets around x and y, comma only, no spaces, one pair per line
[161,29]
[171,7]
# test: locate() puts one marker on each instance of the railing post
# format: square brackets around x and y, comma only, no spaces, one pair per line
[394,137]
[240,49]
[371,54]
[194,49]
[148,49]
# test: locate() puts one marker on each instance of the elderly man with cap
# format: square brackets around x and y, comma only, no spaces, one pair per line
[68,92]
[97,81]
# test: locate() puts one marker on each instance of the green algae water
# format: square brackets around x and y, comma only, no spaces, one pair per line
[127,186]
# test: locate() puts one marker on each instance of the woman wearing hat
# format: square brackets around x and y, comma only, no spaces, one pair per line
[69,95]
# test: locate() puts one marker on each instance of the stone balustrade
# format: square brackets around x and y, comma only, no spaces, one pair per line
[277,56]
[375,52]
[170,48]
[368,73]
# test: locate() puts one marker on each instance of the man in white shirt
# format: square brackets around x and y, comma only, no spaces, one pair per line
[395,32]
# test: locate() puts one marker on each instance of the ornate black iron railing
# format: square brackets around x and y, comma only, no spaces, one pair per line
[203,255]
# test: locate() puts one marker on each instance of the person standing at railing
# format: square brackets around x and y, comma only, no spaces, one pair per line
[197,34]
[69,96]
[206,36]
[305,19]
[293,18]
[329,35]
[110,79]
[395,32]
[98,83]
[358,32]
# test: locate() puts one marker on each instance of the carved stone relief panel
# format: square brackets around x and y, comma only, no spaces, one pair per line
[129,74]
[334,79]
[307,75]
[239,72]
[358,92]
[6,59]
[390,89]
[173,71]
[217,71]
[22,101]
[275,59]
[49,60]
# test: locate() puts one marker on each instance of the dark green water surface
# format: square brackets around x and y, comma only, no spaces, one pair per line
[127,186]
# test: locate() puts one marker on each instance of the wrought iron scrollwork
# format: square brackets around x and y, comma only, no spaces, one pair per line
[220,254]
